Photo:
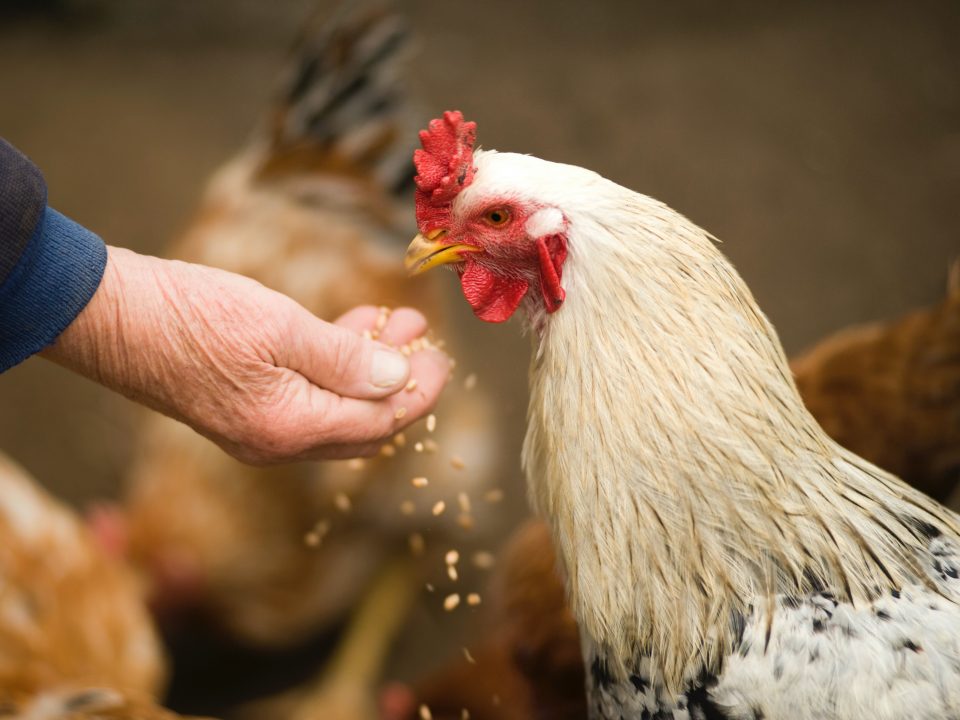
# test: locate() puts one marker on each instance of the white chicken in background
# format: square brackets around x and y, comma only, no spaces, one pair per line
[723,557]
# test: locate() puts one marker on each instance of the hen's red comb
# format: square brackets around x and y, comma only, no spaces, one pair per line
[444,167]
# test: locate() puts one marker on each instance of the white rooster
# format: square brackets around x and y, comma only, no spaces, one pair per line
[724,558]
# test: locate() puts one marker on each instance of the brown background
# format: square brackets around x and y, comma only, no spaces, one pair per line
[820,141]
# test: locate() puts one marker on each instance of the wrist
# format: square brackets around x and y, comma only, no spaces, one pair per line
[92,344]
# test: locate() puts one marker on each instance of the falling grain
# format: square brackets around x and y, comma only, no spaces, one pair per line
[464,713]
[356,464]
[316,534]
[342,502]
[407,507]
[468,657]
[470,381]
[401,411]
[425,713]
[430,445]
[483,559]
[417,544]
[463,500]
[494,496]
[473,599]
[465,520]
[431,422]
[452,557]
[457,462]
[418,446]
[411,385]
[452,573]
[451,601]
[388,450]
[429,587]
[439,507]
[382,319]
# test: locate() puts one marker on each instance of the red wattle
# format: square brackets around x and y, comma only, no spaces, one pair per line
[493,298]
[551,252]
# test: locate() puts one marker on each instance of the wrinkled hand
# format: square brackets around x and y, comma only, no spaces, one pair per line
[248,367]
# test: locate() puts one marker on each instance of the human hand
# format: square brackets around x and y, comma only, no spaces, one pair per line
[248,367]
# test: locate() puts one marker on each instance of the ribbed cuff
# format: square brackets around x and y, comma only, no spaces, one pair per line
[56,276]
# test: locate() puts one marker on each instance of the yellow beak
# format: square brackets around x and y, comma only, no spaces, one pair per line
[428,252]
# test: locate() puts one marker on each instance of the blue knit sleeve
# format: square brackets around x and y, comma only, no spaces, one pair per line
[50,266]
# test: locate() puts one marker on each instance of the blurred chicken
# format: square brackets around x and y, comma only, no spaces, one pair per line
[889,391]
[76,640]
[310,208]
[347,688]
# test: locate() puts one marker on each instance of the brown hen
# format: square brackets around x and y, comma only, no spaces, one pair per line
[311,207]
[76,640]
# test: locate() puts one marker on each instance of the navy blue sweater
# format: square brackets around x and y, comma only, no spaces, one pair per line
[50,266]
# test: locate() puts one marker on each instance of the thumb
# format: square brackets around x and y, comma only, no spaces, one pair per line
[344,362]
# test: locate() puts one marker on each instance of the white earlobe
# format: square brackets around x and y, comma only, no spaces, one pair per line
[547,221]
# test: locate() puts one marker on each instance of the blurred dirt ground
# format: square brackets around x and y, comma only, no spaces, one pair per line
[819,141]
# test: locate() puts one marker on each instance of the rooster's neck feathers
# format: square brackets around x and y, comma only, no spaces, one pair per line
[669,449]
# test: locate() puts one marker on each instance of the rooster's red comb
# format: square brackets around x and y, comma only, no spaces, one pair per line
[444,167]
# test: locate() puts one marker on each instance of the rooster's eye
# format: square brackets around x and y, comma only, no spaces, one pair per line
[496,217]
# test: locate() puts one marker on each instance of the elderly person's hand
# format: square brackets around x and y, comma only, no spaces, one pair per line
[248,367]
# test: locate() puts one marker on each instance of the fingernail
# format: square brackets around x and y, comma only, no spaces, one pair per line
[389,368]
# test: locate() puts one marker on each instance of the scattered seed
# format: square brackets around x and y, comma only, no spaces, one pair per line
[367,334]
[355,464]
[411,385]
[464,713]
[439,507]
[407,507]
[382,319]
[451,601]
[405,350]
[457,462]
[342,501]
[400,440]
[465,521]
[473,599]
[464,501]
[388,450]
[429,587]
[431,422]
[452,573]
[317,533]
[452,557]
[483,559]
[430,445]
[400,413]
[419,482]
[494,496]
[470,381]
[468,657]
[418,446]
[425,713]
[416,543]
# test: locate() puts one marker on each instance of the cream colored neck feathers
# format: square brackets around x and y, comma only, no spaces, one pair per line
[668,447]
